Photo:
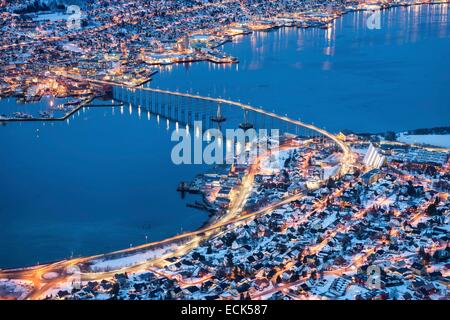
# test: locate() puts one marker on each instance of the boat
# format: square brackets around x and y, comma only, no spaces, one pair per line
[44,114]
[22,115]
[73,102]
[325,26]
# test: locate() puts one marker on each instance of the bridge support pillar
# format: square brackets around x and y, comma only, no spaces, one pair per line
[218,117]
[246,125]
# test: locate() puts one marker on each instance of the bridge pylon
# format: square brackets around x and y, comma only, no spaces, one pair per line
[218,117]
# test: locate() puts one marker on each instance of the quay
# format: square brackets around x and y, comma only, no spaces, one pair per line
[144,96]
[107,105]
[186,188]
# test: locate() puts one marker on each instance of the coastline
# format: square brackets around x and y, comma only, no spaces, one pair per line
[386,7]
[283,27]
[309,227]
[228,38]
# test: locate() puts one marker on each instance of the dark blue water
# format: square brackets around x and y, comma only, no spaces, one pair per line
[105,180]
[101,182]
[46,104]
[351,77]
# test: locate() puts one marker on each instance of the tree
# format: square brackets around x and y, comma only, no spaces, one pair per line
[437,201]
[331,183]
[411,190]
[115,289]
[394,294]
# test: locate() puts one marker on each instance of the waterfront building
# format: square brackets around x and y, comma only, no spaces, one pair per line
[374,158]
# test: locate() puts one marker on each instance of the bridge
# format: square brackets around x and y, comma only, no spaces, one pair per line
[187,108]
[180,107]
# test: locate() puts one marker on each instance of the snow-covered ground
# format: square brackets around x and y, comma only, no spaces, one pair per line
[72,47]
[352,291]
[329,220]
[106,265]
[55,16]
[438,140]
[275,162]
[360,151]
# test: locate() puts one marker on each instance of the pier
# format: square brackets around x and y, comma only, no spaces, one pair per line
[80,106]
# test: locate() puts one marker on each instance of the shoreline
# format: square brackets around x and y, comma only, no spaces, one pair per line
[76,110]
[286,25]
[228,38]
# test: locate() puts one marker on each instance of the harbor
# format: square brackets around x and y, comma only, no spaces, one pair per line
[68,109]
[119,130]
[225,150]
[109,175]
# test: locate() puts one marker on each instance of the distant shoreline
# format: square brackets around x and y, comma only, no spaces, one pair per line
[438,137]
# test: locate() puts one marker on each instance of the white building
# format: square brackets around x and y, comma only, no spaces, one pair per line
[374,158]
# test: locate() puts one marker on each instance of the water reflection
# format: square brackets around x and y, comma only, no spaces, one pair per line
[93,183]
[345,77]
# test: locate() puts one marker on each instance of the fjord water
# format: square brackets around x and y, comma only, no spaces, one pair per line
[348,77]
[99,183]
[105,180]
